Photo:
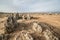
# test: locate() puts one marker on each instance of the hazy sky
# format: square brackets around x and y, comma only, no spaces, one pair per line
[29,5]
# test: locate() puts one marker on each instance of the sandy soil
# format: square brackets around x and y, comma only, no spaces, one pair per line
[50,19]
[53,20]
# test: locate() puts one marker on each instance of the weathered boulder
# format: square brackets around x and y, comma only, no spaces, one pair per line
[49,36]
[36,27]
[11,24]
[22,35]
[28,17]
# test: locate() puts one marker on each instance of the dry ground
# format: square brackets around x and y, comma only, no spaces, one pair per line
[49,19]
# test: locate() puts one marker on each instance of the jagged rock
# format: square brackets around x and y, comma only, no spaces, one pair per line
[1,37]
[6,36]
[17,16]
[49,36]
[34,31]
[55,31]
[36,27]
[45,34]
[28,17]
[11,24]
[23,35]
[23,17]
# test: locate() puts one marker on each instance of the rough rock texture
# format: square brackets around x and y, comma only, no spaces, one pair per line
[22,35]
[29,31]
[11,24]
[17,16]
[43,34]
[2,26]
[37,33]
[49,36]
[36,28]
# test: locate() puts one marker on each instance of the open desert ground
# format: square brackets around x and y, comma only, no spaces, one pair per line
[50,21]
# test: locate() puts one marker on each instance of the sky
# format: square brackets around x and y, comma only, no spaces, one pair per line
[29,5]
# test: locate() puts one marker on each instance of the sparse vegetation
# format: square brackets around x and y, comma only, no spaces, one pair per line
[37,27]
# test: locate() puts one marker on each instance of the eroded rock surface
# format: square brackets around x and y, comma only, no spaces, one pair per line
[29,31]
[22,35]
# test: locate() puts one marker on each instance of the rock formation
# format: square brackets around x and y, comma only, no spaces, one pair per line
[17,16]
[11,24]
[28,31]
[36,27]
[49,36]
[22,35]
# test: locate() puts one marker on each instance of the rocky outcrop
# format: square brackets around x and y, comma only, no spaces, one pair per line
[11,24]
[36,27]
[49,36]
[43,34]
[28,31]
[38,33]
[22,35]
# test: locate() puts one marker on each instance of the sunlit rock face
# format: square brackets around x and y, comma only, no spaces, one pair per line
[37,33]
[28,17]
[2,26]
[23,35]
[45,34]
[36,27]
[28,31]
[49,36]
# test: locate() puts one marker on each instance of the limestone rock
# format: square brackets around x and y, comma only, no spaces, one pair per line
[37,28]
[49,36]
[23,35]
